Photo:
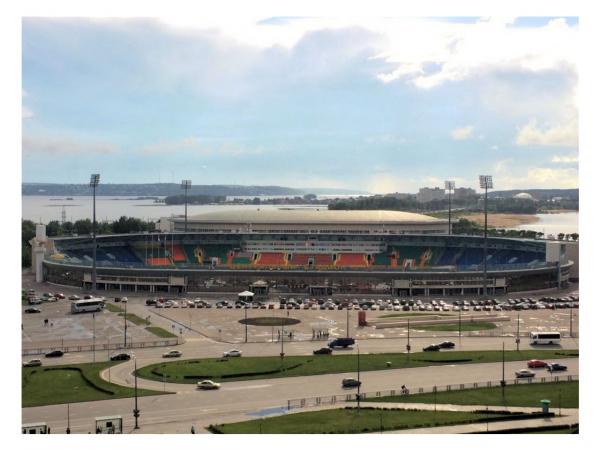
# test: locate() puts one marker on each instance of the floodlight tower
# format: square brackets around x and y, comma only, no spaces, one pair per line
[94,181]
[449,184]
[485,182]
[186,185]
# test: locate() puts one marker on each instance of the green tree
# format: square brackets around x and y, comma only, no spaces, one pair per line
[83,226]
[561,236]
[575,236]
[27,233]
[53,228]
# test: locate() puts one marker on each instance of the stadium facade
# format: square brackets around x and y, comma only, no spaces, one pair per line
[312,252]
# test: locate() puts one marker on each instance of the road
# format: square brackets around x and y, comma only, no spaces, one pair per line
[246,399]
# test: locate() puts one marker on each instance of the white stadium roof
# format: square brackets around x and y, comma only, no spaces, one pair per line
[311,216]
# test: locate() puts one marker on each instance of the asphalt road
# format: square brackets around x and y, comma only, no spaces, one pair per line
[245,399]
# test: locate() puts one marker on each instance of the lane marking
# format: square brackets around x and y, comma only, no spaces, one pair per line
[258,386]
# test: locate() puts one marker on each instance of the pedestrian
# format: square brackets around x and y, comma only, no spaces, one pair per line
[51,324]
[193,430]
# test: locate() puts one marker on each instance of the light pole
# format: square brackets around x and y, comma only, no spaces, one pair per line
[358,370]
[347,322]
[136,411]
[518,339]
[125,334]
[503,382]
[571,322]
[281,354]
[449,184]
[246,323]
[94,181]
[186,186]
[485,182]
[68,418]
[94,337]
[408,338]
[460,322]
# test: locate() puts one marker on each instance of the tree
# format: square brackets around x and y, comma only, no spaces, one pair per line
[53,228]
[83,226]
[575,236]
[561,236]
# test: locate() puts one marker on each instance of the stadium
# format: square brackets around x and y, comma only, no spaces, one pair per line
[306,251]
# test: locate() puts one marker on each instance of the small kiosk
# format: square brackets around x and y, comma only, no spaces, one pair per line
[109,425]
[246,297]
[35,428]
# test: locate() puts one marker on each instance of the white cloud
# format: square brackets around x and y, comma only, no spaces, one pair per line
[55,145]
[565,134]
[553,178]
[565,159]
[201,147]
[460,134]
[26,113]
[509,175]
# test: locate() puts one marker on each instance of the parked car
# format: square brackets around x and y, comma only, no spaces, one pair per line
[60,295]
[74,297]
[556,367]
[431,348]
[35,301]
[172,354]
[447,344]
[48,294]
[151,301]
[323,351]
[350,382]
[54,354]
[536,363]
[120,357]
[208,384]
[524,373]
[232,353]
[32,310]
[33,363]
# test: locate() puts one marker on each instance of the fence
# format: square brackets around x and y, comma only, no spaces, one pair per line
[350,397]
[41,348]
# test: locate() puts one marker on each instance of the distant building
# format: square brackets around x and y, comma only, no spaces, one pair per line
[428,194]
[523,196]
[462,193]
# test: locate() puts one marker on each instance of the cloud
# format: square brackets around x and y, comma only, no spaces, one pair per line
[565,159]
[509,175]
[460,134]
[54,145]
[26,113]
[200,147]
[565,135]
[553,178]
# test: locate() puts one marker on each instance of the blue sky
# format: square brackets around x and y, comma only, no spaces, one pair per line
[378,105]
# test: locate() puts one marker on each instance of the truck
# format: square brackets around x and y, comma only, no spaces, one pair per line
[341,342]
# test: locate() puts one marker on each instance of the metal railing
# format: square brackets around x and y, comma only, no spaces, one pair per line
[351,396]
[71,347]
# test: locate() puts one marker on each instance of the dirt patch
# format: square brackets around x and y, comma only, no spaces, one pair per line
[503,220]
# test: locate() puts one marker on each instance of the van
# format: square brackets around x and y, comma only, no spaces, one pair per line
[341,342]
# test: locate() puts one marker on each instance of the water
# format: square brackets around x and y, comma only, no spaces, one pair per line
[44,208]
[567,222]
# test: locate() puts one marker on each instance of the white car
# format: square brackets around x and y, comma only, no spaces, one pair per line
[172,354]
[123,299]
[232,353]
[525,373]
[33,363]
[396,307]
[208,384]
[74,297]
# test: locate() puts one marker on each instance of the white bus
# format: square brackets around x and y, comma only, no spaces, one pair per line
[544,337]
[89,305]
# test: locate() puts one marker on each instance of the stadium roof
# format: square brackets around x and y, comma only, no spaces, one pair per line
[306,215]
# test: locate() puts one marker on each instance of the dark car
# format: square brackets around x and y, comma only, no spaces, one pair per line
[151,301]
[54,354]
[350,382]
[32,310]
[121,357]
[323,351]
[556,367]
[447,344]
[432,348]
[341,342]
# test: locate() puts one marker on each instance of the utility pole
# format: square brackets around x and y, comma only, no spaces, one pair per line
[503,382]
[347,322]
[125,334]
[358,369]
[68,418]
[246,323]
[94,181]
[408,338]
[460,322]
[94,337]
[136,411]
[518,339]
[449,187]
[571,322]
[485,182]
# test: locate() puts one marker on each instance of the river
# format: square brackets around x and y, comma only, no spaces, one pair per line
[564,222]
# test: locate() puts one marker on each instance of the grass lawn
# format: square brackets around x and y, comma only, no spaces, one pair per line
[112,308]
[70,384]
[131,317]
[565,394]
[412,314]
[160,332]
[350,421]
[254,368]
[465,326]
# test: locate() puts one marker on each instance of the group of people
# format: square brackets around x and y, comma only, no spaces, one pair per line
[320,334]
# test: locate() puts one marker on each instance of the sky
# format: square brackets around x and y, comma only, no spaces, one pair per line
[379,105]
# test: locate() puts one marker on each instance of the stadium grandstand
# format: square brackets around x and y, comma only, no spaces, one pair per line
[345,251]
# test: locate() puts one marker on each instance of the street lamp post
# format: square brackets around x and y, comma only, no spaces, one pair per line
[68,418]
[347,322]
[246,323]
[485,182]
[518,339]
[186,186]
[571,322]
[460,322]
[449,187]
[125,321]
[503,382]
[94,337]
[408,338]
[94,181]
[358,370]
[136,411]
